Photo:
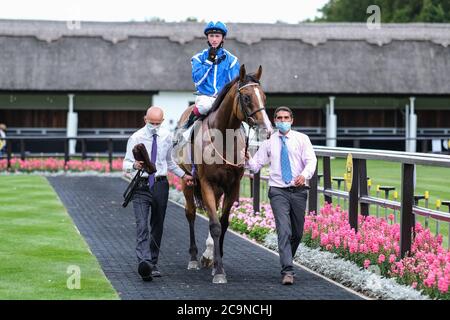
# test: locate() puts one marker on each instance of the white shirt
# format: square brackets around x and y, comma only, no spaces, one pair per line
[301,157]
[164,160]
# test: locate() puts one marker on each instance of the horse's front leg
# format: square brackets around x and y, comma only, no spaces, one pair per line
[207,258]
[228,202]
[190,216]
[215,229]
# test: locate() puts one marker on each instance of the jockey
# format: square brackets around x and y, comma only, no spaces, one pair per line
[212,69]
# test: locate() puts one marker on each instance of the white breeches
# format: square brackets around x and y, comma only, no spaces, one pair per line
[204,103]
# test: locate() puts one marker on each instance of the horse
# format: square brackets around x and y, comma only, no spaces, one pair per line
[241,100]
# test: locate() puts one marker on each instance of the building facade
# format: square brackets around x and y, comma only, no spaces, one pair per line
[343,80]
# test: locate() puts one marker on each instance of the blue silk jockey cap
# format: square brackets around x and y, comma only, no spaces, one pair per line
[216,27]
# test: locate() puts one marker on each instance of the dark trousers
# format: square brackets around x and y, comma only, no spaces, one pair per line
[149,233]
[288,206]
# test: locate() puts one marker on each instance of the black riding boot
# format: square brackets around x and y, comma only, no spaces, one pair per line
[190,121]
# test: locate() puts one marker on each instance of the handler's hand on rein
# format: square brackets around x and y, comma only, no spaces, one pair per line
[299,181]
[246,155]
[138,165]
[189,180]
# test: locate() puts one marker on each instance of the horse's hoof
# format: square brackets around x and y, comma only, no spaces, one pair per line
[206,263]
[213,272]
[220,278]
[193,265]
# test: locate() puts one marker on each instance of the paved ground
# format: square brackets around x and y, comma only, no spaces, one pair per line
[94,203]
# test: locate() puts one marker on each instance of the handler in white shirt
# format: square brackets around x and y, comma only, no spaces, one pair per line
[153,191]
[292,162]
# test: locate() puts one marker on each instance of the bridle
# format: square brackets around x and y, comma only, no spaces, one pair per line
[248,117]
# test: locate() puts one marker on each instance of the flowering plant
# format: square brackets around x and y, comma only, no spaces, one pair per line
[376,245]
[55,165]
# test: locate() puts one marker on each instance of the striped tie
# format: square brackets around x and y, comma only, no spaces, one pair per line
[286,172]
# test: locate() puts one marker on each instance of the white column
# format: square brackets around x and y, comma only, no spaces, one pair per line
[412,126]
[173,104]
[72,125]
[331,124]
[407,128]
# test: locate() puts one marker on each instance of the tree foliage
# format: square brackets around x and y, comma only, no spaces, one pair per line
[391,10]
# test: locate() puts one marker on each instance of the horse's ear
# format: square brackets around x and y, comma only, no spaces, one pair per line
[258,73]
[242,73]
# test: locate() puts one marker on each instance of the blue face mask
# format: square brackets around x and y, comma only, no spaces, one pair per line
[283,126]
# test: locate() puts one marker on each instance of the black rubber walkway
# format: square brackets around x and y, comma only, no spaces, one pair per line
[94,203]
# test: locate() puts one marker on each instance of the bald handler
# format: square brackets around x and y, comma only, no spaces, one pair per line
[152,192]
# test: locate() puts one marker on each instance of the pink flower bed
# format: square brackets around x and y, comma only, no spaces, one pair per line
[174,181]
[55,165]
[377,241]
[255,224]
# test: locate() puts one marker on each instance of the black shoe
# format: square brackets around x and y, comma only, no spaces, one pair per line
[288,279]
[155,272]
[145,271]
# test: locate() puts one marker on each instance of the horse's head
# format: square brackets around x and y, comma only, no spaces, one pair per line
[251,101]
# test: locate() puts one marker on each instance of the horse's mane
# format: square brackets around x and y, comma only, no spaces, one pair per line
[248,78]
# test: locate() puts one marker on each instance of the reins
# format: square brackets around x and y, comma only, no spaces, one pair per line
[250,121]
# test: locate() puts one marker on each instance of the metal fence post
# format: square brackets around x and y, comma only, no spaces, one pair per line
[378,195]
[312,196]
[424,146]
[66,152]
[327,178]
[8,153]
[354,196]
[256,191]
[427,197]
[83,149]
[363,189]
[406,217]
[22,149]
[110,152]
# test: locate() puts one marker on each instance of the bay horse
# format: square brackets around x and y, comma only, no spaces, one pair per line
[241,100]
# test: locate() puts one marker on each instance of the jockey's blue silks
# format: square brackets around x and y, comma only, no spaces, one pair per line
[216,27]
[209,78]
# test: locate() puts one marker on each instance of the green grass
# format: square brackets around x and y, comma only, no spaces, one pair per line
[435,180]
[39,243]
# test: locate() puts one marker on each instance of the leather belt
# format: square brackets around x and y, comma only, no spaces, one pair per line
[293,189]
[144,180]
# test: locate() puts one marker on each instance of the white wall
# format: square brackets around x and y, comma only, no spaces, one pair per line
[173,104]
